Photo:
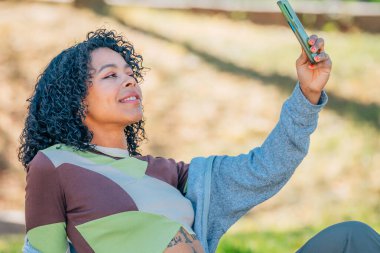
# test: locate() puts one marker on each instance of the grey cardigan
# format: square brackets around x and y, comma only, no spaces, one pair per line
[223,188]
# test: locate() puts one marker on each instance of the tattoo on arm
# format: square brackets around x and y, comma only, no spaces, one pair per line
[194,237]
[176,240]
[183,236]
[183,232]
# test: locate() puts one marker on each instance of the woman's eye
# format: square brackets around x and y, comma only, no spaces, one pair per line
[109,76]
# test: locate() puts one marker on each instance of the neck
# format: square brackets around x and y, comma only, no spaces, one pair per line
[122,144]
[109,137]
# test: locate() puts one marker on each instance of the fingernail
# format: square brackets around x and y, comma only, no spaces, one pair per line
[317,58]
[313,49]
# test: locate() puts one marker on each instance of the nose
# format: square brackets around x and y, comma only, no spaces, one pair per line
[129,81]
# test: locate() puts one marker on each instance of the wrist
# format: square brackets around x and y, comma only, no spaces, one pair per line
[312,95]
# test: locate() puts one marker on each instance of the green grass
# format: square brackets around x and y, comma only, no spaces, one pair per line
[11,243]
[265,241]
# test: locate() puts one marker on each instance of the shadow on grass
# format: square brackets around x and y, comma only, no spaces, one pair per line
[366,113]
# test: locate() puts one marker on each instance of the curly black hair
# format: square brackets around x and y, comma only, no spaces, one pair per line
[57,109]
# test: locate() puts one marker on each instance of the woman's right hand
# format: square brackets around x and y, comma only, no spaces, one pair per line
[313,78]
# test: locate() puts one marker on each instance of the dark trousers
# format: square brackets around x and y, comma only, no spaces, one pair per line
[345,237]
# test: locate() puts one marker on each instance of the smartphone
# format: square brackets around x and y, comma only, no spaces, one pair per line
[297,27]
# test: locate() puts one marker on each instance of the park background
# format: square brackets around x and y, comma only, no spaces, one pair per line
[219,73]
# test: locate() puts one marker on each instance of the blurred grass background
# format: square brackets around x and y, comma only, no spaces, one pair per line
[216,86]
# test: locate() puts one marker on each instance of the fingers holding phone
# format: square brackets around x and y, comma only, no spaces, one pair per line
[313,77]
[317,47]
[316,43]
[314,64]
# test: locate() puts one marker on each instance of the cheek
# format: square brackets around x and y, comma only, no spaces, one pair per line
[101,101]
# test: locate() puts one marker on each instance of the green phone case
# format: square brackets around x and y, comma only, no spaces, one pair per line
[297,27]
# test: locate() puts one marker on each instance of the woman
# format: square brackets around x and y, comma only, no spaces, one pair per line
[88,184]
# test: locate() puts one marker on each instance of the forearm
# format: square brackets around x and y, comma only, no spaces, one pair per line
[288,143]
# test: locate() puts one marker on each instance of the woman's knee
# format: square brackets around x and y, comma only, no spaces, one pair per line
[353,227]
[349,236]
[347,231]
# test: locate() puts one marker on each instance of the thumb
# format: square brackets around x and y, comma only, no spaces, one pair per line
[302,59]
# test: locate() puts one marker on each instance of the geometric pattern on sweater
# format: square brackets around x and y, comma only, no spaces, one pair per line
[100,201]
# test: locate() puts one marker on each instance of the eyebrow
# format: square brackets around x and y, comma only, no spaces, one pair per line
[111,65]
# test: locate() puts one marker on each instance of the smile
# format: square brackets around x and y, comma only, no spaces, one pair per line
[129,100]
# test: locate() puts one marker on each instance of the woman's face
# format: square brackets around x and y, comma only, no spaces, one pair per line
[114,98]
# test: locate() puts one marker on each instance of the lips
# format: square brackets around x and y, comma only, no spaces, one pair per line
[129,97]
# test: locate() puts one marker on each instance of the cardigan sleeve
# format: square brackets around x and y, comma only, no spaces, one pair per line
[238,183]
